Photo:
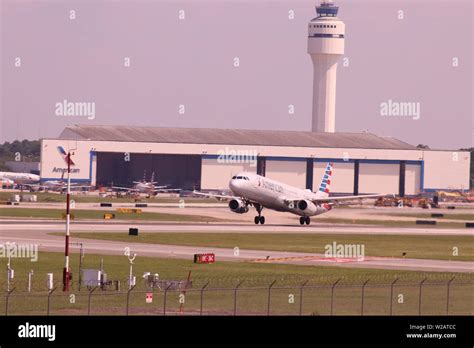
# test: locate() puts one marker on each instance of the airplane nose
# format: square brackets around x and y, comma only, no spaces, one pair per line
[234,184]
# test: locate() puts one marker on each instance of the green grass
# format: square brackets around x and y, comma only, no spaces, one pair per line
[223,277]
[389,223]
[99,214]
[462,217]
[424,247]
[81,198]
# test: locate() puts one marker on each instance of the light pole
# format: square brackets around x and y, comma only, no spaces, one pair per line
[10,272]
[30,276]
[81,259]
[131,257]
[66,270]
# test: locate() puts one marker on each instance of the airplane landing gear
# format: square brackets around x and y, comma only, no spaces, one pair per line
[305,220]
[260,218]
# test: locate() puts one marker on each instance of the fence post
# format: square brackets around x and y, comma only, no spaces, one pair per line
[202,294]
[7,299]
[447,295]
[164,299]
[363,294]
[89,301]
[391,295]
[269,296]
[128,297]
[419,296]
[50,292]
[301,296]
[235,296]
[332,294]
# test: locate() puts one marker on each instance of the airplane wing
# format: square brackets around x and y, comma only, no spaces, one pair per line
[124,188]
[166,190]
[348,198]
[207,194]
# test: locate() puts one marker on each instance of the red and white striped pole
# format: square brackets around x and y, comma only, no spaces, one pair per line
[66,272]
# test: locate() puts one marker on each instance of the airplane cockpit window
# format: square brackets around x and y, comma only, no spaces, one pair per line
[234,177]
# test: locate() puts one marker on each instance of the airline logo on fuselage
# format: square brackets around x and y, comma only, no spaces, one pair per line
[270,185]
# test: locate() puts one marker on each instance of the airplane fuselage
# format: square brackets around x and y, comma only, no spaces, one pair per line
[274,195]
[21,178]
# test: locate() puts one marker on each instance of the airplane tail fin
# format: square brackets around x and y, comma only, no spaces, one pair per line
[65,156]
[325,185]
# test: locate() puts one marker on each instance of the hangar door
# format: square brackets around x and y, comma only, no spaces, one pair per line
[412,179]
[379,178]
[288,172]
[176,171]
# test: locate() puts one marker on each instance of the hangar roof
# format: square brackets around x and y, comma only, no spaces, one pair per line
[232,137]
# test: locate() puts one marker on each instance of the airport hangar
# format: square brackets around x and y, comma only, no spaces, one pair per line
[199,158]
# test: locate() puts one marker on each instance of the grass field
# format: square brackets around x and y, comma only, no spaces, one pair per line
[389,223]
[424,247]
[462,217]
[99,214]
[223,277]
[82,198]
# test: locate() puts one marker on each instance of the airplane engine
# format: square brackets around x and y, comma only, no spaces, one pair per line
[307,207]
[238,206]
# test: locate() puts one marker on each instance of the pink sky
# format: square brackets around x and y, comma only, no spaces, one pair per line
[190,62]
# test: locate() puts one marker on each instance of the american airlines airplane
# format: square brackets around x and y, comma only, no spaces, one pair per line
[250,189]
[20,178]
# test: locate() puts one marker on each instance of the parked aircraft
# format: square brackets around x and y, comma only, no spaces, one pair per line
[20,178]
[143,186]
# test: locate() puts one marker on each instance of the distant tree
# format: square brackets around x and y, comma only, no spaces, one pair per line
[28,149]
[422,146]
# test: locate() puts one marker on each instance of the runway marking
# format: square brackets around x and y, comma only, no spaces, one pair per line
[316,259]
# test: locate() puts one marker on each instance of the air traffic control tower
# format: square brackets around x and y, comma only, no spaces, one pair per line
[326,46]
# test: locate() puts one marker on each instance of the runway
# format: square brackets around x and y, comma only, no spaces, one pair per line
[26,225]
[31,232]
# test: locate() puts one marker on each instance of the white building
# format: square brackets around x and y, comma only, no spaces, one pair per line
[207,158]
[325,46]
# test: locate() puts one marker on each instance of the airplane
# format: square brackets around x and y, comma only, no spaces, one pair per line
[250,189]
[4,182]
[54,185]
[20,178]
[144,186]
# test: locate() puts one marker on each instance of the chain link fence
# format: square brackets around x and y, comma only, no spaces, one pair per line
[447,297]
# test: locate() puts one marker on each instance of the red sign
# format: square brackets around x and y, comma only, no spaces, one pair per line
[204,258]
[149,297]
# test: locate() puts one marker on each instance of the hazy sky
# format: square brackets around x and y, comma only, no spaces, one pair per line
[190,62]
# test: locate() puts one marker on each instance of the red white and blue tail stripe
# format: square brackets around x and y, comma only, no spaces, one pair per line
[324,187]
